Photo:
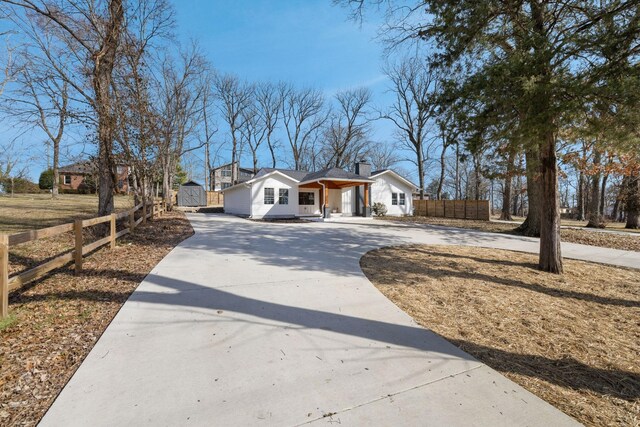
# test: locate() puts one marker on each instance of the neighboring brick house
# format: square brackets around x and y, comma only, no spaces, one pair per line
[221,176]
[82,177]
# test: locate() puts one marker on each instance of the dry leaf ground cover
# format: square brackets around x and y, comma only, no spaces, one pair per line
[573,340]
[55,322]
[627,242]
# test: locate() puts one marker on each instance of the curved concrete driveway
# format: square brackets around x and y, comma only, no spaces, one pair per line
[250,323]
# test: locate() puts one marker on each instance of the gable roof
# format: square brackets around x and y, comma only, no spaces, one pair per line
[303,177]
[394,173]
[293,174]
[335,173]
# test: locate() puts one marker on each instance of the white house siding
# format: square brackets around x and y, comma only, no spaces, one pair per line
[260,210]
[237,200]
[381,190]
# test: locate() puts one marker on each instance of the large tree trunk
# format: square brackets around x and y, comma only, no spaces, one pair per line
[104,61]
[506,195]
[442,171]
[603,196]
[531,225]
[616,212]
[457,183]
[580,195]
[633,201]
[234,153]
[550,252]
[56,173]
[420,172]
[593,212]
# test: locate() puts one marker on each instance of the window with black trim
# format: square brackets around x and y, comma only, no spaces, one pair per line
[394,199]
[403,200]
[268,196]
[306,198]
[283,196]
[67,179]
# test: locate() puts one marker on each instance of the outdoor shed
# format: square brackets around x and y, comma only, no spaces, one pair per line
[192,194]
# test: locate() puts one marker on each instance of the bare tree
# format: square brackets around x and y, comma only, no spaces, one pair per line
[41,98]
[346,137]
[413,110]
[303,115]
[269,101]
[138,127]
[382,156]
[7,65]
[180,98]
[91,30]
[235,98]
[254,130]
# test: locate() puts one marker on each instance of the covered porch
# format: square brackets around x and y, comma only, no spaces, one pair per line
[341,197]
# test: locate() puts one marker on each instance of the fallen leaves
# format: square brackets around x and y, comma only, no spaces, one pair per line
[57,320]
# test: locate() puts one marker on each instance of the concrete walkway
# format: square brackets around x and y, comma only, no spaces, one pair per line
[250,323]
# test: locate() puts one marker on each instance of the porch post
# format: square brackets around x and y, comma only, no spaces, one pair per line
[327,209]
[367,208]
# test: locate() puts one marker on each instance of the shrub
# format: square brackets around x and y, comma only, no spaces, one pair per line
[19,186]
[46,180]
[379,209]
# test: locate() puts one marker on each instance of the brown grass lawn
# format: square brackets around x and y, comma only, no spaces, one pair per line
[616,226]
[573,340]
[32,211]
[627,242]
[54,322]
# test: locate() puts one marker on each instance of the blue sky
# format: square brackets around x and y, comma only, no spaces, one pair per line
[307,43]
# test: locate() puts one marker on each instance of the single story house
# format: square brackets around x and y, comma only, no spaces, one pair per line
[82,177]
[326,193]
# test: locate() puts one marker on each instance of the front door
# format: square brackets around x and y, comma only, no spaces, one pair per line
[347,201]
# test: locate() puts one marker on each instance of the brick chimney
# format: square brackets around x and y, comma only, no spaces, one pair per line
[363,168]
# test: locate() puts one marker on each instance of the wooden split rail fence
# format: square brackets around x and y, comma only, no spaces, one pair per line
[8,284]
[459,209]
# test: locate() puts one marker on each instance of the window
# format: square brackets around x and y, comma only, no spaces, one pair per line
[226,185]
[402,199]
[283,198]
[394,199]
[120,170]
[306,198]
[67,179]
[120,184]
[226,171]
[268,196]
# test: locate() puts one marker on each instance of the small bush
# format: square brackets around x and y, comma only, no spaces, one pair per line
[379,209]
[46,180]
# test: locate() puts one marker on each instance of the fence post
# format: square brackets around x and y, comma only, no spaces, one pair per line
[4,275]
[113,231]
[144,212]
[132,220]
[77,256]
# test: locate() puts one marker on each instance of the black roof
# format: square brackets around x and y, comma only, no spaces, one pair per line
[191,184]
